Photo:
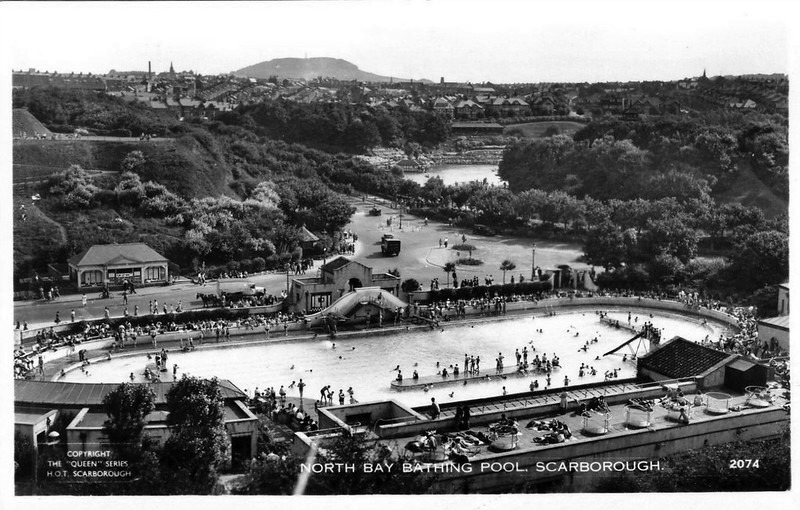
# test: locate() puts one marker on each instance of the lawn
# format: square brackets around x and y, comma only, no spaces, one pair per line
[537,129]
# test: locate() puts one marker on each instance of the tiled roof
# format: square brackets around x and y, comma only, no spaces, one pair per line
[106,254]
[79,394]
[682,358]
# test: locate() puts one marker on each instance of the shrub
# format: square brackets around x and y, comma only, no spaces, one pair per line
[470,261]
[258,264]
[464,247]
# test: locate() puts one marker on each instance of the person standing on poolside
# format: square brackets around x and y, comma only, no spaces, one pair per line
[435,410]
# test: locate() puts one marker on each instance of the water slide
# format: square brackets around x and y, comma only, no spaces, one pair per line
[359,297]
[626,342]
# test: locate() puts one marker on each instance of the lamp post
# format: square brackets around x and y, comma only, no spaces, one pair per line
[533,262]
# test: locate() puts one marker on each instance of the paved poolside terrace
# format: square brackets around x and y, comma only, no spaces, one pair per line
[617,436]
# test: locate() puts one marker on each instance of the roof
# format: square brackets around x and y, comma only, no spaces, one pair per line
[80,394]
[782,321]
[307,236]
[113,254]
[335,264]
[682,358]
[742,365]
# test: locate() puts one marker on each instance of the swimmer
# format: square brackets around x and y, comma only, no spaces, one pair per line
[132,377]
[333,346]
[291,368]
[452,393]
[395,368]
[415,363]
[354,348]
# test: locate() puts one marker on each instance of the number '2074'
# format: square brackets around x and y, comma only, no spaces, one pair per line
[743,463]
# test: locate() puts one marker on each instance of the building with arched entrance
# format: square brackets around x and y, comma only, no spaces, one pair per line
[340,275]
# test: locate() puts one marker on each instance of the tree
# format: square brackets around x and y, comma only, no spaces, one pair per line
[127,408]
[133,161]
[605,246]
[409,286]
[73,187]
[198,445]
[449,267]
[506,265]
[761,259]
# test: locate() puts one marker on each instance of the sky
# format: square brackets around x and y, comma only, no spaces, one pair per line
[501,41]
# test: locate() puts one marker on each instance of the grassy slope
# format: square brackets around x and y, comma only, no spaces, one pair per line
[537,129]
[750,191]
[37,231]
[186,166]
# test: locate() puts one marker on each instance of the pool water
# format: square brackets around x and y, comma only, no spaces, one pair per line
[367,364]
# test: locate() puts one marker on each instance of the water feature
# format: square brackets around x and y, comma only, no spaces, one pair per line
[452,174]
[367,363]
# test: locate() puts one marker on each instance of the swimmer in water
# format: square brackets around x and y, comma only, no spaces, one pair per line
[291,368]
[333,346]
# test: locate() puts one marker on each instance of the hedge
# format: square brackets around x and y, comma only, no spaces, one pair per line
[481,291]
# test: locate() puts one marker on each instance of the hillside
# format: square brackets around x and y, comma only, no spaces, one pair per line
[24,123]
[749,190]
[191,165]
[310,68]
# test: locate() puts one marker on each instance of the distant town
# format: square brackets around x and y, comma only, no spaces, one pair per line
[190,94]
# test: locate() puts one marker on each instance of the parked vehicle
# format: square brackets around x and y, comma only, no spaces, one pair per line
[483,230]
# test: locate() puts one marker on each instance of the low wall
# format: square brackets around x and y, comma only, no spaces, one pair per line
[603,303]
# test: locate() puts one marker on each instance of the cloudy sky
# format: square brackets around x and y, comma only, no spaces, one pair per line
[500,41]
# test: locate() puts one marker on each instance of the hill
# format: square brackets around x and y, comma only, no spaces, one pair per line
[24,122]
[310,68]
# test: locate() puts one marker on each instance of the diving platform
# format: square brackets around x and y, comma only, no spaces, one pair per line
[617,324]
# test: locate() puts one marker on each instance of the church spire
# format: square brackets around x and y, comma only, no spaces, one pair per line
[171,69]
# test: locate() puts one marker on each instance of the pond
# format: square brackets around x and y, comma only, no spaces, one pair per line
[452,174]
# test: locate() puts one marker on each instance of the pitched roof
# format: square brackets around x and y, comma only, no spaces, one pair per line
[682,358]
[307,236]
[782,322]
[92,394]
[108,254]
[335,264]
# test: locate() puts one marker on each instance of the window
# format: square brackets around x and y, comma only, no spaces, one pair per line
[155,273]
[91,278]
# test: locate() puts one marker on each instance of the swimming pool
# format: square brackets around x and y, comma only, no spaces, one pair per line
[367,363]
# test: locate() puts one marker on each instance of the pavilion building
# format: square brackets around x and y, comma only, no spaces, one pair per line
[113,264]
